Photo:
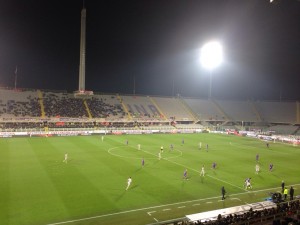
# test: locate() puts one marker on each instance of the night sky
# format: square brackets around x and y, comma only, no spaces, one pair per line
[155,43]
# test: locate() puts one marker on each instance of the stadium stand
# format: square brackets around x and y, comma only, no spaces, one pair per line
[19,103]
[282,129]
[63,105]
[142,112]
[173,109]
[277,112]
[105,106]
[19,126]
[297,131]
[205,109]
[189,126]
[141,107]
[238,110]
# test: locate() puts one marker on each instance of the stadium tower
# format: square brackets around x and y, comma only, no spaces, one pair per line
[81,87]
[82,51]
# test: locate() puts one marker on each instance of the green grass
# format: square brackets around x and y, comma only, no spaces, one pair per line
[37,188]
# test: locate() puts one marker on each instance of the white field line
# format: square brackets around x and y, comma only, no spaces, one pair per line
[167,159]
[225,182]
[244,146]
[232,199]
[198,172]
[159,206]
[149,213]
[110,151]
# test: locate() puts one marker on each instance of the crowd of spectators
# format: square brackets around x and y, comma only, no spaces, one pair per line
[145,116]
[71,125]
[18,108]
[66,105]
[284,214]
[62,105]
[16,126]
[20,125]
[100,109]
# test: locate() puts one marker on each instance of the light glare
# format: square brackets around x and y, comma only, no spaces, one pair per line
[211,55]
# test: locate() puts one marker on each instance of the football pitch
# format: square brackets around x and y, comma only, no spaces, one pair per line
[38,188]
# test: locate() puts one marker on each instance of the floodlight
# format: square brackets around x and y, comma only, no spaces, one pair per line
[211,55]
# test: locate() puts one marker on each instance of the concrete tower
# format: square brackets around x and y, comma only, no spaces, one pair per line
[82,51]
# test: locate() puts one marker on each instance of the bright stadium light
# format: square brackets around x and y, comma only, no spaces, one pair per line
[211,57]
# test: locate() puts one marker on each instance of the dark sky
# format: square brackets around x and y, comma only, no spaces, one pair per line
[156,42]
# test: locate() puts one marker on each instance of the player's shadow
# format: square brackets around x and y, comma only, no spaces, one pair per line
[133,187]
[224,202]
[76,162]
[124,192]
[201,179]
[121,196]
[251,194]
[139,169]
[276,175]
[184,180]
[183,183]
[155,162]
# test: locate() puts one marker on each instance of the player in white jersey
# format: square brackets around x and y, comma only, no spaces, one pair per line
[248,183]
[257,168]
[202,173]
[66,158]
[129,180]
[162,149]
[200,145]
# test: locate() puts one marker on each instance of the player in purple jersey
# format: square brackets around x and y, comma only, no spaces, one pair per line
[185,174]
[214,165]
[257,157]
[143,162]
[271,167]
